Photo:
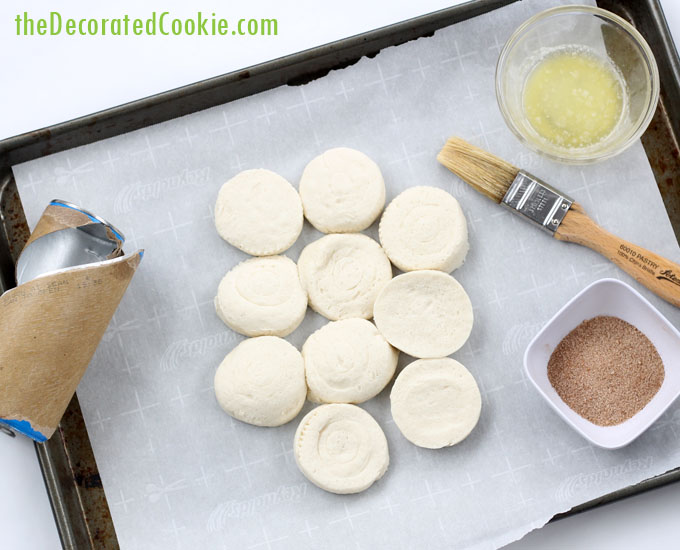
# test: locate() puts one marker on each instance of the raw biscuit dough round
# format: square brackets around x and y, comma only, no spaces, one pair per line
[435,402]
[342,191]
[262,296]
[424,313]
[259,212]
[342,275]
[347,361]
[262,382]
[424,228]
[341,448]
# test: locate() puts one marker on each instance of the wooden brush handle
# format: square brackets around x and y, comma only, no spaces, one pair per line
[658,274]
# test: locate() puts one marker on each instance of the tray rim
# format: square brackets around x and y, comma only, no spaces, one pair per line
[37,143]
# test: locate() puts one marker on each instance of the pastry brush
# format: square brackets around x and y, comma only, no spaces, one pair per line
[556,213]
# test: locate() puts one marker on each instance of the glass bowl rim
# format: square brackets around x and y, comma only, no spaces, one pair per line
[579,9]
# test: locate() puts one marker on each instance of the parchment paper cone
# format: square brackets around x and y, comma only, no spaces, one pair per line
[51,326]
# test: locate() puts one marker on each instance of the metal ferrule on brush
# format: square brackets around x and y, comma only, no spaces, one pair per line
[537,201]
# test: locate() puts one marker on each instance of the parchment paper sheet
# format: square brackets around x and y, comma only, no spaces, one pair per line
[178,472]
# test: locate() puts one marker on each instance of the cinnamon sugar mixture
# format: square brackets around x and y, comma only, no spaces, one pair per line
[606,370]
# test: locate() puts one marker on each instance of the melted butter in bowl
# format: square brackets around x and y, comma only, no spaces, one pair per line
[577,84]
[573,98]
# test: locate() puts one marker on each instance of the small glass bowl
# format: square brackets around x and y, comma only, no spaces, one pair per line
[607,36]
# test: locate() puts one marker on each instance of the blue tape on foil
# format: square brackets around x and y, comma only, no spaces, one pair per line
[24,427]
[57,203]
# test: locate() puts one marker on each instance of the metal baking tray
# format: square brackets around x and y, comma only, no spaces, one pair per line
[67,461]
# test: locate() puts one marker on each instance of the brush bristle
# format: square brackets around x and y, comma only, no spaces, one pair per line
[487,173]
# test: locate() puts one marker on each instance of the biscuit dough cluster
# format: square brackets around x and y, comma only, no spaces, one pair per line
[346,277]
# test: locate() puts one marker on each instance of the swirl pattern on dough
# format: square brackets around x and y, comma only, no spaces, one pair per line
[342,191]
[262,382]
[262,296]
[342,275]
[347,361]
[341,448]
[424,228]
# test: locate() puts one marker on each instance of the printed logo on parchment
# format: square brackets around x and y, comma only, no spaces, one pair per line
[518,336]
[575,484]
[136,192]
[186,349]
[238,509]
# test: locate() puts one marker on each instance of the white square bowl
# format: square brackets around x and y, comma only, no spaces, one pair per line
[615,298]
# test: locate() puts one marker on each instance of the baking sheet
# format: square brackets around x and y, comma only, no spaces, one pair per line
[180,473]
